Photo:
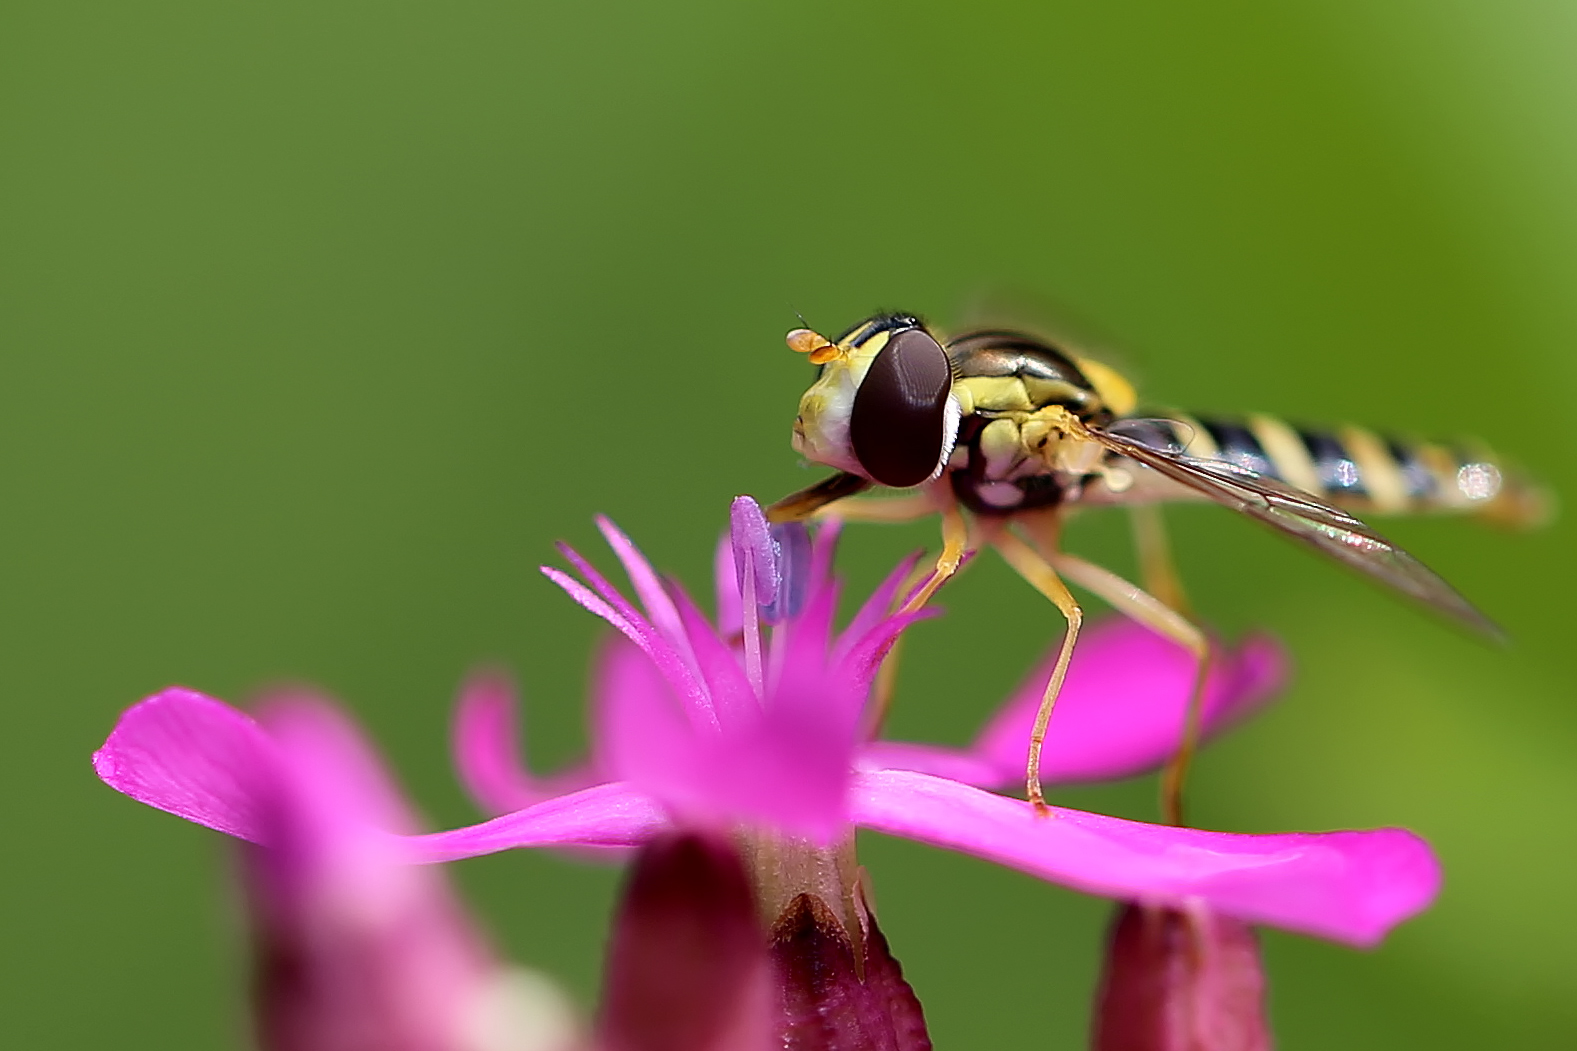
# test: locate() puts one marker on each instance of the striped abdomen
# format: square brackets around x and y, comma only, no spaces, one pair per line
[1365,472]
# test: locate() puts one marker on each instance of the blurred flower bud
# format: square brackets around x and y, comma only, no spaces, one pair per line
[839,993]
[687,964]
[840,988]
[1181,980]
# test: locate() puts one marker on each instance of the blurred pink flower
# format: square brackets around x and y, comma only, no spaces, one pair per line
[356,950]
[691,732]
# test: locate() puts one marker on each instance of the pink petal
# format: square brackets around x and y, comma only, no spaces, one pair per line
[487,753]
[330,774]
[195,757]
[1121,709]
[876,607]
[730,614]
[955,764]
[863,657]
[823,549]
[635,628]
[1348,886]
[641,735]
[606,815]
[786,765]
[659,608]
[732,695]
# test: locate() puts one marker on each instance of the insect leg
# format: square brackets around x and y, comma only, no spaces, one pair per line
[1156,567]
[880,509]
[1160,576]
[797,507]
[1159,617]
[1040,575]
[955,543]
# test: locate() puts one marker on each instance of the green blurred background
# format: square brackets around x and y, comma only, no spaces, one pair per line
[323,320]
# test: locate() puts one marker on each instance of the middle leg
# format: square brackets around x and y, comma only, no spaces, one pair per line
[1042,576]
[1159,616]
[1156,615]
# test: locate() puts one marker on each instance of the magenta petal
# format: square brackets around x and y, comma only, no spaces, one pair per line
[194,757]
[1121,709]
[786,766]
[955,764]
[607,815]
[487,756]
[638,631]
[733,698]
[875,608]
[641,732]
[730,611]
[648,588]
[329,770]
[1348,886]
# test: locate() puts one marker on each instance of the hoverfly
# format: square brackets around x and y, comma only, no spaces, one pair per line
[1003,434]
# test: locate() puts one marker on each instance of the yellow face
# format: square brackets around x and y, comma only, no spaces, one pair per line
[883,406]
[821,430]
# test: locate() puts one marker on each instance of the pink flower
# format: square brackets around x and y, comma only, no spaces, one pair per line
[356,950]
[691,732]
[1120,711]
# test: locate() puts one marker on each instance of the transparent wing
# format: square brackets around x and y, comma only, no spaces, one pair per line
[1156,432]
[1298,514]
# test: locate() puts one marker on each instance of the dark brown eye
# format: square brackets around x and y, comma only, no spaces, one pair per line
[898,425]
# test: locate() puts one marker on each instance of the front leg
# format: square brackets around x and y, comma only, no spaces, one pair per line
[796,507]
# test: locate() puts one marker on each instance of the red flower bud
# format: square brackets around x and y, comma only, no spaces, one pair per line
[1181,980]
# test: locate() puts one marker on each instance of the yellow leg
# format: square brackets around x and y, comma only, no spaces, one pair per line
[955,542]
[1150,611]
[1159,572]
[1156,567]
[1044,579]
[880,508]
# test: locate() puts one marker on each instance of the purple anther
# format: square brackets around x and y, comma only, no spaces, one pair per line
[755,551]
[791,541]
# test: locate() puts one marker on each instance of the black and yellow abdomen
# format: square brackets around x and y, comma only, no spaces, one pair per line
[1368,472]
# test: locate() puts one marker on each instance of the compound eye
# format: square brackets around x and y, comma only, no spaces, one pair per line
[898,425]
